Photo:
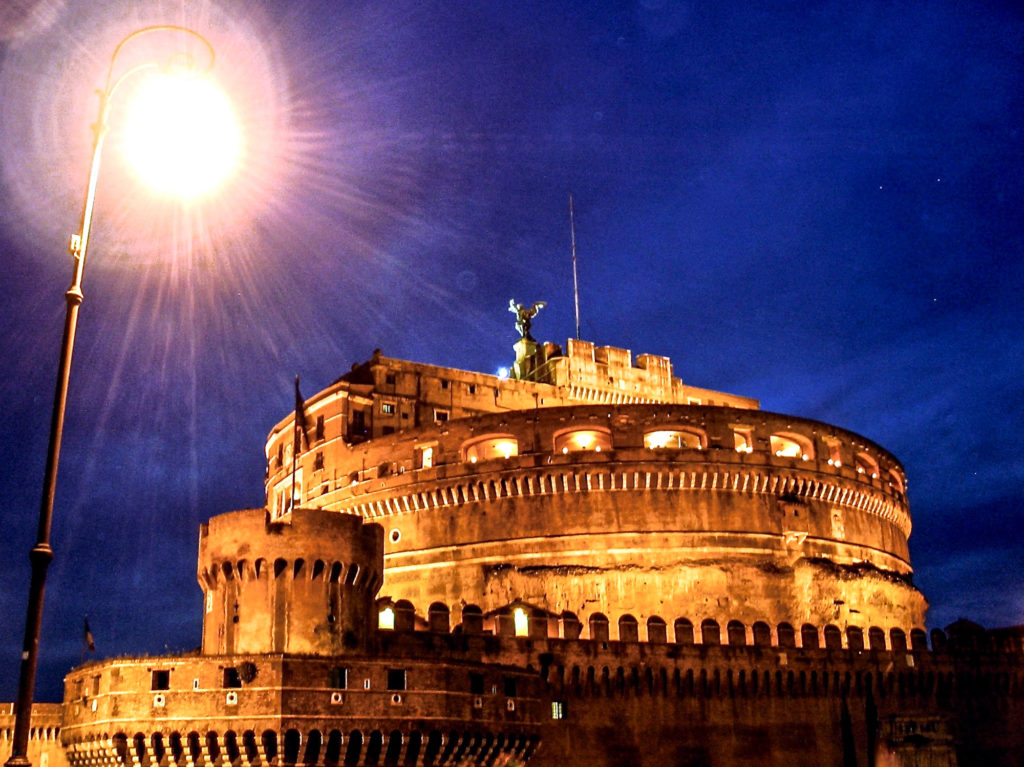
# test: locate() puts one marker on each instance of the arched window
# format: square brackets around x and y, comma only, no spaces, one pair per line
[521,622]
[583,440]
[472,620]
[230,746]
[629,630]
[332,754]
[896,481]
[490,446]
[865,465]
[292,741]
[855,638]
[898,640]
[787,636]
[809,637]
[876,638]
[710,633]
[570,625]
[599,627]
[438,618]
[674,439]
[833,638]
[787,444]
[657,631]
[918,639]
[736,633]
[683,630]
[762,634]
[386,618]
[743,439]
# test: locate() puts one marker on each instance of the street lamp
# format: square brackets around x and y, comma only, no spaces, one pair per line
[41,554]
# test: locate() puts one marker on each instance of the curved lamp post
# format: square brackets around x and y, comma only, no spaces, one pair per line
[41,554]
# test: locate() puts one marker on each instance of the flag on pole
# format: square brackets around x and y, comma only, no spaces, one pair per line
[300,420]
[87,636]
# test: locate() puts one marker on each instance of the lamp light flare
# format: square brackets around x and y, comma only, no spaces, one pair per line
[181,136]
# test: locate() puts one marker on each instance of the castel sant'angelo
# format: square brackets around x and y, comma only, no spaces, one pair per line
[586,563]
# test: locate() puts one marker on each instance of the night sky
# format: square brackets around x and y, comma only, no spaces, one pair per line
[815,204]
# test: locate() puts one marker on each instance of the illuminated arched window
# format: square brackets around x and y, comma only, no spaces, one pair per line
[789,445]
[491,446]
[386,619]
[866,465]
[743,439]
[673,439]
[896,480]
[521,622]
[583,440]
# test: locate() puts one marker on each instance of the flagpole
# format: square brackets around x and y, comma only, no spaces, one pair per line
[575,282]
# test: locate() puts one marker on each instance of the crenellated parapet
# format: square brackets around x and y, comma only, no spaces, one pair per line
[302,584]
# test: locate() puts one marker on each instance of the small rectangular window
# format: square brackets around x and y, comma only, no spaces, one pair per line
[96,685]
[472,388]
[476,683]
[387,408]
[337,678]
[320,427]
[510,686]
[232,678]
[396,678]
[389,379]
[440,416]
[558,709]
[161,680]
[444,384]
[318,462]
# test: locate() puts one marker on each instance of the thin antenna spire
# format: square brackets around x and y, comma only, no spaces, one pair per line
[575,281]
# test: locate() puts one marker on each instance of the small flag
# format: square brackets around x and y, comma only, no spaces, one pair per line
[87,637]
[300,420]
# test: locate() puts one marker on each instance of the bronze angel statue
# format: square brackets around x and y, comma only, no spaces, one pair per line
[524,315]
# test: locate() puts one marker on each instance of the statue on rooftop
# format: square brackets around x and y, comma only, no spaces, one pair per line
[525,315]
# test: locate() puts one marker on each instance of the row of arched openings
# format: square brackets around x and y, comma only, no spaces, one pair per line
[355,748]
[683,631]
[761,634]
[334,572]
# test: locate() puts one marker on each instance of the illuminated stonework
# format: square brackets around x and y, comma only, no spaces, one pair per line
[658,505]
[595,565]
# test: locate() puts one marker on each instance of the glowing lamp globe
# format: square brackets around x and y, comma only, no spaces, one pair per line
[181,136]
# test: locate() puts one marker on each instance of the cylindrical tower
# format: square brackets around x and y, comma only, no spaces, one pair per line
[304,584]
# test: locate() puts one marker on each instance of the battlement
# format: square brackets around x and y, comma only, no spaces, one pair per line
[521,620]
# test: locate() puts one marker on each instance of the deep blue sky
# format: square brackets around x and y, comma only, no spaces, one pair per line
[814,204]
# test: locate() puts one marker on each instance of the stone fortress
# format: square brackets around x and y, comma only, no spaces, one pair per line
[588,563]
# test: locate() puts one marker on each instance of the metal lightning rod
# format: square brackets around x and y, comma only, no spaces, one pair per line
[575,281]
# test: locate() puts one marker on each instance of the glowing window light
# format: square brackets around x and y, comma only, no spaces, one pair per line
[181,135]
[583,440]
[784,447]
[491,447]
[742,442]
[386,619]
[521,622]
[670,438]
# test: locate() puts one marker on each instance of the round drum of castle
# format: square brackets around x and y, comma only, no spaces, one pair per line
[614,516]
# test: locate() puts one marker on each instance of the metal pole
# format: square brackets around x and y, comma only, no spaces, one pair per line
[41,554]
[575,282]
